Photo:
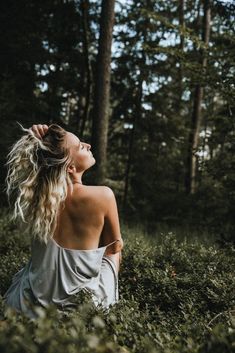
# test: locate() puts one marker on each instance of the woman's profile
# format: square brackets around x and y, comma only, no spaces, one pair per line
[76,241]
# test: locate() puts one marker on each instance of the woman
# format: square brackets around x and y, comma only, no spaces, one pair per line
[76,240]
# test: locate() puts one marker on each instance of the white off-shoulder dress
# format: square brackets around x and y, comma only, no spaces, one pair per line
[55,275]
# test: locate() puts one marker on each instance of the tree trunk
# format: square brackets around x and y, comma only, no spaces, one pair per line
[88,71]
[137,112]
[182,25]
[102,88]
[190,182]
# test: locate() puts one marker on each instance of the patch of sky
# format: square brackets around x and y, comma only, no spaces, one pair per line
[52,67]
[45,69]
[175,22]
[95,10]
[190,45]
[189,16]
[128,126]
[43,86]
[204,153]
[227,1]
[205,133]
[160,57]
[186,95]
[117,49]
[170,39]
[120,4]
[46,46]
[147,106]
[156,84]
[150,87]
[41,71]
[113,65]
[164,79]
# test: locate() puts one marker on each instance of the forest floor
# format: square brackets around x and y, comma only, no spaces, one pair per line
[177,294]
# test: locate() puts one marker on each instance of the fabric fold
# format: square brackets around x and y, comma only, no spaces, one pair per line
[55,275]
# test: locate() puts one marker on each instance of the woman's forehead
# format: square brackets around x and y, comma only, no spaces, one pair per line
[71,139]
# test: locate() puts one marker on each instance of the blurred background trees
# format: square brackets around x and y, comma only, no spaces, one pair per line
[171,125]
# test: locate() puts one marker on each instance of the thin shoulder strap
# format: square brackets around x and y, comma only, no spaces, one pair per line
[113,242]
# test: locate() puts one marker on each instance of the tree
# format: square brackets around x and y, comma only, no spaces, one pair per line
[190,181]
[102,90]
[87,74]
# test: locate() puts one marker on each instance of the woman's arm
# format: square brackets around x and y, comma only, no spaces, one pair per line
[111,229]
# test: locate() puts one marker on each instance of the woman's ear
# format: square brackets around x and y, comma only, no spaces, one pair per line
[71,169]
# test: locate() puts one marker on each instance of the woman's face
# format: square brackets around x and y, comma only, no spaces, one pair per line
[80,153]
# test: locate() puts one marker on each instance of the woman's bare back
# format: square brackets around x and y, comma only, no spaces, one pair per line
[89,219]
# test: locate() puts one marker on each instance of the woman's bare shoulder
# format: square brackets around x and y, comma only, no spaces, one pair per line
[93,197]
[98,197]
[104,192]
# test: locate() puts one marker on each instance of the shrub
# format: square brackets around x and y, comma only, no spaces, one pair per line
[175,296]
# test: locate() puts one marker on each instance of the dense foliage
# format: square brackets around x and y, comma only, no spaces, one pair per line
[48,56]
[175,296]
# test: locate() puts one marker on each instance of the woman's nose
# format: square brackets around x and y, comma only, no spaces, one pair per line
[88,146]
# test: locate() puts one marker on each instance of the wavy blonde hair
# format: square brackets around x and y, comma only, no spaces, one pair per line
[37,180]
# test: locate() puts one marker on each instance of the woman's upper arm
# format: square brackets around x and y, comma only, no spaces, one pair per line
[111,230]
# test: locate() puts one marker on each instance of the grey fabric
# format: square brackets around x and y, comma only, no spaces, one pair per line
[55,274]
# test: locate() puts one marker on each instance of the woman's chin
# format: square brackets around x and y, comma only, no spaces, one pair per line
[93,161]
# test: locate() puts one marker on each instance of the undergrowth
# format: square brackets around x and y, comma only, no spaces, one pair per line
[175,296]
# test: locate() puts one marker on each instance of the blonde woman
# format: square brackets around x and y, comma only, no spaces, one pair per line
[76,240]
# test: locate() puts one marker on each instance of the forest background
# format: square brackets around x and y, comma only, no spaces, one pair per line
[166,135]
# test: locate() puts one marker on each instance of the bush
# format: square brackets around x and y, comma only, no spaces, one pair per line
[175,296]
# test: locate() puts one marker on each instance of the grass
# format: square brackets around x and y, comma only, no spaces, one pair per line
[159,230]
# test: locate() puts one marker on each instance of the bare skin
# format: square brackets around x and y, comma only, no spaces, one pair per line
[89,218]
